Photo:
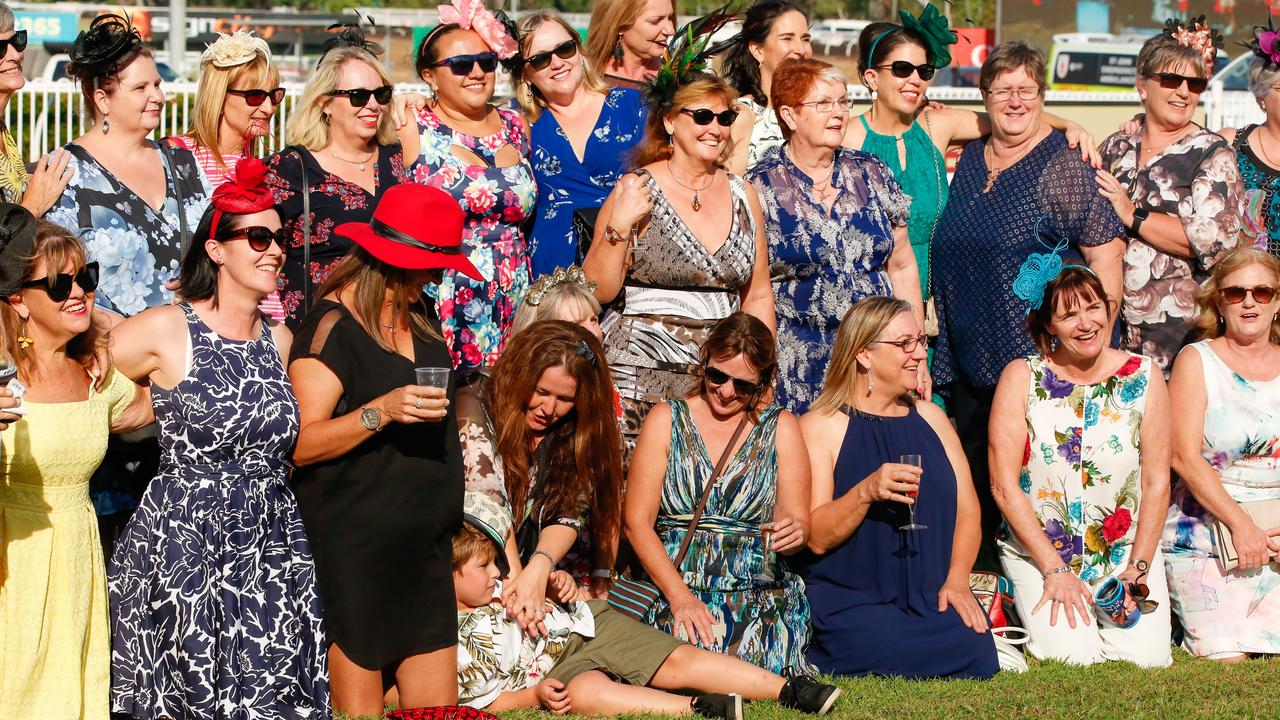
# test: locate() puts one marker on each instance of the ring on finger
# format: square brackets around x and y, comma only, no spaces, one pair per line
[418,403]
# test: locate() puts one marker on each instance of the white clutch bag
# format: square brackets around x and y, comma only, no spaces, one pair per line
[1265,513]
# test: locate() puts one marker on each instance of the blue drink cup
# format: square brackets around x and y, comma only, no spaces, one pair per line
[1110,597]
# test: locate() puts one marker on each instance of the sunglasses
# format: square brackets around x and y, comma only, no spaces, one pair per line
[259,238]
[86,277]
[703,116]
[903,69]
[716,376]
[1262,294]
[461,65]
[908,345]
[539,61]
[359,97]
[254,98]
[1139,592]
[1171,81]
[18,41]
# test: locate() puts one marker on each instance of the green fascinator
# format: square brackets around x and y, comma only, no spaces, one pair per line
[688,52]
[938,37]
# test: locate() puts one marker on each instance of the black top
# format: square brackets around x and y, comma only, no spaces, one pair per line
[381,518]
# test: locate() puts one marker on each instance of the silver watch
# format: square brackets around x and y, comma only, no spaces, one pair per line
[371,419]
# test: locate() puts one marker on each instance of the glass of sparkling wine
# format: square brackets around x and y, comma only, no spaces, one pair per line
[913,460]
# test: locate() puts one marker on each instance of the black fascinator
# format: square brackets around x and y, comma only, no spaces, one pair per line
[104,48]
[17,240]
[352,34]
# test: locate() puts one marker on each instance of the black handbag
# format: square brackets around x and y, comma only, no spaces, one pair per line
[584,229]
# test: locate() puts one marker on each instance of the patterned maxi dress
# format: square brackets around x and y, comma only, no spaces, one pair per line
[750,591]
[214,608]
[475,315]
[1237,611]
[1260,224]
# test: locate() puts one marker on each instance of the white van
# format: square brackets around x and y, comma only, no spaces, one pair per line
[1099,62]
[828,34]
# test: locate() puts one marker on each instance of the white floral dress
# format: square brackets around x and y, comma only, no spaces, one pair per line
[766,134]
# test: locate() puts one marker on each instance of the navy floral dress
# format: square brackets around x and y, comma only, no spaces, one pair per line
[214,607]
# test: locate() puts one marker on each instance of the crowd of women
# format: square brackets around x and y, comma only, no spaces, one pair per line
[751,369]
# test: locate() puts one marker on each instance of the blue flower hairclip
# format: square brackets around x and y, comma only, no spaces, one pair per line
[1038,270]
[584,350]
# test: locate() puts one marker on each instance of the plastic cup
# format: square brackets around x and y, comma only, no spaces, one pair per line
[432,376]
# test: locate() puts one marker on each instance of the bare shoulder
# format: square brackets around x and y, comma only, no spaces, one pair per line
[821,425]
[1015,371]
[161,319]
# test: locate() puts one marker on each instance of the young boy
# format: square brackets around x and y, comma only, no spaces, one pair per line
[592,660]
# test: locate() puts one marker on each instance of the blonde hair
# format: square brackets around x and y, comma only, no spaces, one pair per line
[307,126]
[858,329]
[608,18]
[1208,322]
[470,542]
[214,83]
[527,94]
[553,303]
[656,145]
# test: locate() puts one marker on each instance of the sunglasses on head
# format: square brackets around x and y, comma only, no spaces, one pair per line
[1262,294]
[254,98]
[259,238]
[703,116]
[86,277]
[540,61]
[903,69]
[18,40]
[461,65]
[1171,81]
[716,376]
[359,97]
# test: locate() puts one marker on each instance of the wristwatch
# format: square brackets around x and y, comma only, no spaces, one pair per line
[371,419]
[1141,565]
[1139,215]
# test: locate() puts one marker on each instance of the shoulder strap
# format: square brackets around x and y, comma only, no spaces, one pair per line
[1241,135]
[170,163]
[706,491]
[306,231]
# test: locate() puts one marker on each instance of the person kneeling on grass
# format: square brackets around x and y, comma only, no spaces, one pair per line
[582,646]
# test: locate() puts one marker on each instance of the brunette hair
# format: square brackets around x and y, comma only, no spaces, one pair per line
[1208,322]
[469,542]
[696,87]
[211,97]
[739,66]
[369,278]
[527,94]
[859,327]
[307,126]
[1163,52]
[740,334]
[1011,56]
[198,276]
[883,38]
[1075,285]
[793,80]
[585,460]
[428,50]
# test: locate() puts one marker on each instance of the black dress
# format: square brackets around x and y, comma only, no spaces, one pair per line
[381,518]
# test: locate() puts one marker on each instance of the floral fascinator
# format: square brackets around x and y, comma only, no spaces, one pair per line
[1265,45]
[1195,33]
[1040,269]
[352,34]
[688,52]
[98,51]
[497,30]
[938,36]
[247,193]
[236,49]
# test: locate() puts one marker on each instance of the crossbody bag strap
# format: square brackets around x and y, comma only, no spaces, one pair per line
[171,166]
[706,492]
[306,233]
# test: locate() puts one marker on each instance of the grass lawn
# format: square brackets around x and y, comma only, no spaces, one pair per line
[1052,691]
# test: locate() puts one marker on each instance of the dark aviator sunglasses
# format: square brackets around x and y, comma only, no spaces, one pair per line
[259,238]
[704,116]
[18,40]
[60,289]
[1171,81]
[254,98]
[564,51]
[461,65]
[903,69]
[359,97]
[716,376]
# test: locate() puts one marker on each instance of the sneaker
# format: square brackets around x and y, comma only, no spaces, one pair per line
[808,695]
[718,706]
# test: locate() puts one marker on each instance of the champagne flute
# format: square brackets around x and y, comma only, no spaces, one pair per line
[914,460]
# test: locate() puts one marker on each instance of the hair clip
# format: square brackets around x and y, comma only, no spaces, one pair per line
[584,350]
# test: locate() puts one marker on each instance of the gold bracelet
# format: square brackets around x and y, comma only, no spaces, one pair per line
[613,237]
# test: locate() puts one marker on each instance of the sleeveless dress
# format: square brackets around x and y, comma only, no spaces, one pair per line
[759,601]
[214,608]
[675,290]
[1238,611]
[476,315]
[766,135]
[1260,224]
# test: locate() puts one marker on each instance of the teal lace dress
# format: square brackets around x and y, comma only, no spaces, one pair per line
[757,603]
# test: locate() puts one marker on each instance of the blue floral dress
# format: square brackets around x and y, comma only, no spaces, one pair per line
[823,261]
[475,315]
[566,184]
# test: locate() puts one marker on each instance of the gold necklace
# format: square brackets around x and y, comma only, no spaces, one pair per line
[362,163]
[821,188]
[696,204]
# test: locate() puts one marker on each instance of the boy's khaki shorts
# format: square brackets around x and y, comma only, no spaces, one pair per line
[622,648]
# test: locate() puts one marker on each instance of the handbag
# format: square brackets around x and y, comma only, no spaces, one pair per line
[635,598]
[993,591]
[1266,513]
[584,229]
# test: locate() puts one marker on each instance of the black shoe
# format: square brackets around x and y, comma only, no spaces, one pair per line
[808,695]
[718,706]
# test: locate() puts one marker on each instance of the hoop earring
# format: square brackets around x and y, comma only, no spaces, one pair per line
[25,341]
[617,48]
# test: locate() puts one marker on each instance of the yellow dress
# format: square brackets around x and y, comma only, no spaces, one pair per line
[55,650]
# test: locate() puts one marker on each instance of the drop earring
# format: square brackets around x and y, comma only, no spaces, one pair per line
[106,125]
[617,48]
[25,341]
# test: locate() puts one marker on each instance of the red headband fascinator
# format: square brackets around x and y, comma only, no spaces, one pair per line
[245,194]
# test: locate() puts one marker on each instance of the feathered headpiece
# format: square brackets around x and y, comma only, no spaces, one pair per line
[236,49]
[1264,45]
[496,29]
[571,275]
[247,193]
[688,52]
[351,34]
[938,36]
[99,51]
[1195,33]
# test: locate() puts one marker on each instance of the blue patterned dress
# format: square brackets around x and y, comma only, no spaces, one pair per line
[214,608]
[1260,224]
[766,621]
[566,184]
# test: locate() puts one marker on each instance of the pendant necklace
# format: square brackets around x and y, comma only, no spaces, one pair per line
[362,164]
[697,203]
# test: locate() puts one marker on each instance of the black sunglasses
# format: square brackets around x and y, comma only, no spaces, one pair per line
[1171,81]
[259,238]
[86,277]
[564,51]
[716,376]
[1262,294]
[903,69]
[359,97]
[254,98]
[461,65]
[703,116]
[18,41]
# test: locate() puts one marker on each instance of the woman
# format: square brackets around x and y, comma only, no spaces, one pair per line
[837,226]
[565,294]
[1257,147]
[133,203]
[1176,188]
[887,600]
[216,558]
[772,31]
[680,243]
[541,438]
[1080,470]
[626,39]
[380,472]
[53,593]
[731,593]
[342,157]
[1001,210]
[478,153]
[1226,452]
[580,134]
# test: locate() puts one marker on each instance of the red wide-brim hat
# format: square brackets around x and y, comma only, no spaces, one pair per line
[414,227]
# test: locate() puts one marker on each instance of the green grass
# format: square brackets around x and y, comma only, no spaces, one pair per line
[1191,688]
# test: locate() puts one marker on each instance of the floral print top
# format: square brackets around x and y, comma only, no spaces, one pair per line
[138,248]
[1081,469]
[1196,180]
[766,134]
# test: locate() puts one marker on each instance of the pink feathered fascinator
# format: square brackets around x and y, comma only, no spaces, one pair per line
[473,15]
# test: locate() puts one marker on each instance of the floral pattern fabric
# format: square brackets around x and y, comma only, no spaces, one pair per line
[138,249]
[1196,180]
[476,314]
[1082,466]
[766,135]
[1260,224]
